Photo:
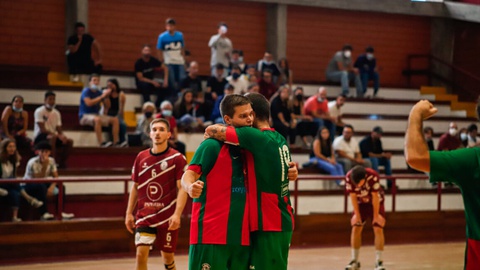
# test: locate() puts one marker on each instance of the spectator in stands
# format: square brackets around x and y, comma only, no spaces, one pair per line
[143,124]
[334,108]
[48,128]
[9,162]
[89,111]
[473,139]
[166,112]
[192,81]
[268,63]
[187,58]
[216,84]
[171,49]
[253,88]
[286,75]
[348,151]
[43,166]
[115,107]
[450,140]
[367,66]
[372,149]
[305,125]
[144,77]
[251,71]
[266,85]
[237,59]
[252,79]
[282,115]
[322,155]
[428,134]
[463,137]
[221,48]
[216,114]
[188,113]
[79,53]
[240,84]
[316,106]
[15,124]
[340,69]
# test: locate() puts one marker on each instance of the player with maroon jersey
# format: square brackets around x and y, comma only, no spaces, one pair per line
[158,196]
[367,198]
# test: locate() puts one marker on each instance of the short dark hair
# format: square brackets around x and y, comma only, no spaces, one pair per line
[219,66]
[268,71]
[93,75]
[230,102]
[43,146]
[170,21]
[222,24]
[236,51]
[79,24]
[369,49]
[347,47]
[472,127]
[160,120]
[260,106]
[49,94]
[358,173]
[427,129]
[236,66]
[342,95]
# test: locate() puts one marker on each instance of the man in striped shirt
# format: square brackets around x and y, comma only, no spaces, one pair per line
[158,196]
[267,166]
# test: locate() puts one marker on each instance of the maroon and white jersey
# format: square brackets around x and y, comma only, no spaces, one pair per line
[156,176]
[364,193]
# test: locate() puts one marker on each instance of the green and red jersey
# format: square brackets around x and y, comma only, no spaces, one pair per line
[462,167]
[219,215]
[267,182]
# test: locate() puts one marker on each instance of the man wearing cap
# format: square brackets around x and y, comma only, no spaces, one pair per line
[371,149]
[171,49]
[221,47]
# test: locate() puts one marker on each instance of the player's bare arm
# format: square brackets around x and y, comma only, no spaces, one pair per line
[132,202]
[191,185]
[217,131]
[357,218]
[174,220]
[416,149]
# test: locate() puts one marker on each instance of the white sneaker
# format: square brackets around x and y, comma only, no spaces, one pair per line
[353,265]
[67,215]
[47,216]
[16,219]
[379,266]
[3,192]
[36,203]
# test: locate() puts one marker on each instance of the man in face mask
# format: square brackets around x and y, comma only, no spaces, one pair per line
[48,128]
[238,81]
[317,107]
[367,66]
[268,63]
[340,69]
[166,111]
[450,139]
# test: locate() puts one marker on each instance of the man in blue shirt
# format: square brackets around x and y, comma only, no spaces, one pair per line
[89,111]
[171,48]
[367,66]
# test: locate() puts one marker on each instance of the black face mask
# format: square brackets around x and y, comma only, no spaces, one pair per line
[299,97]
[148,114]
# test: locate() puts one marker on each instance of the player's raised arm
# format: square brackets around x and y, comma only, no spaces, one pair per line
[191,185]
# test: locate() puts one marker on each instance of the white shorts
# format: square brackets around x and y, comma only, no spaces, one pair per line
[89,119]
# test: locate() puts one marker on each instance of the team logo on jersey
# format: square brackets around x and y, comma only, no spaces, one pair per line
[144,165]
[376,186]
[206,266]
[163,166]
[154,191]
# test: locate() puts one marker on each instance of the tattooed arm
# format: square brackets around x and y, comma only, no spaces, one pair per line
[217,131]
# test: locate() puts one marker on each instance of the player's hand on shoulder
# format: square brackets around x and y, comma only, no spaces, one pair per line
[195,189]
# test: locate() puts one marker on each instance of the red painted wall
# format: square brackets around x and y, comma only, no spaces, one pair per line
[315,34]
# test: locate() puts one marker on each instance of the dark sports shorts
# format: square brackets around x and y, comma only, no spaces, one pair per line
[366,211]
[166,240]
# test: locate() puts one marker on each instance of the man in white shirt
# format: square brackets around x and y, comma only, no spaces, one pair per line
[335,110]
[48,127]
[221,47]
[238,81]
[348,151]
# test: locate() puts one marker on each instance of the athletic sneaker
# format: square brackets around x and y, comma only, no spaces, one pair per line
[3,192]
[36,203]
[379,266]
[353,265]
[47,216]
[123,144]
[106,144]
[16,219]
[67,215]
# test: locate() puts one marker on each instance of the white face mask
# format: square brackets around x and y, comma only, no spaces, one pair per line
[452,131]
[370,56]
[463,136]
[50,107]
[347,54]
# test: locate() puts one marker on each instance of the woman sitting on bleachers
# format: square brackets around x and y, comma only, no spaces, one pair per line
[115,105]
[15,124]
[189,113]
[322,155]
